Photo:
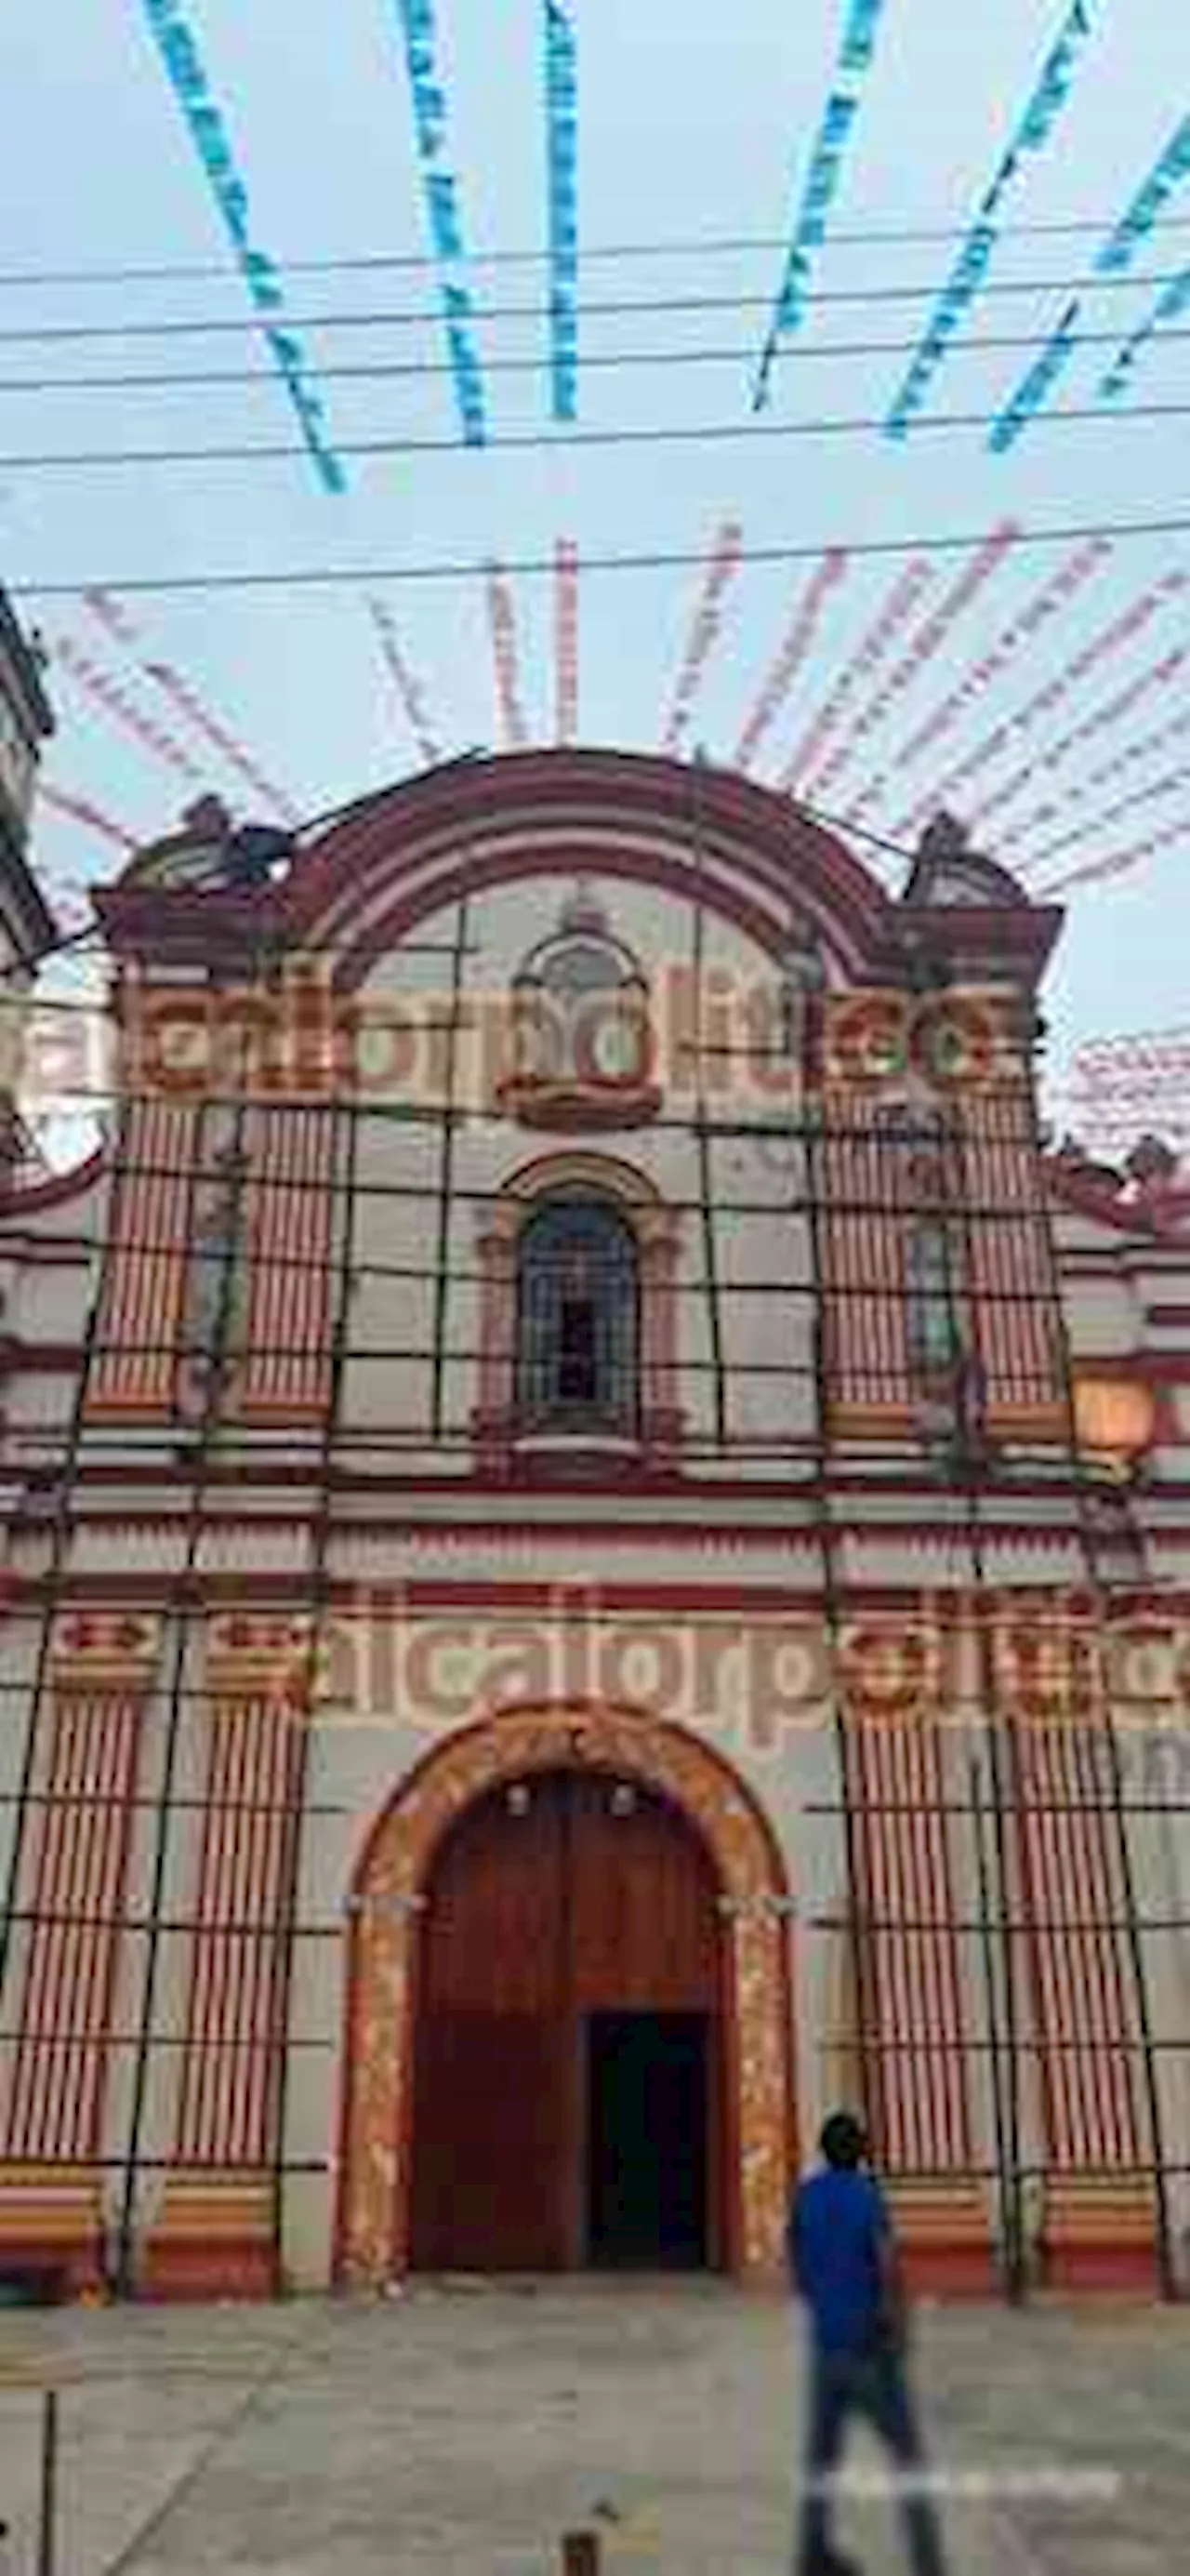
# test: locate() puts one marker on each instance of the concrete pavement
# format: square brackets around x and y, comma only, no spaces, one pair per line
[458,2429]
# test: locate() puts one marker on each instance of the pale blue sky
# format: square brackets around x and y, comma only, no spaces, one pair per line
[695,122]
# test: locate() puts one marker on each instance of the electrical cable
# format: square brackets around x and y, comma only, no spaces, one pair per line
[531,567]
[690,246]
[383,370]
[533,442]
[338,320]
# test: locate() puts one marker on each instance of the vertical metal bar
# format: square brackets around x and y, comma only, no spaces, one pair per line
[183,1603]
[1099,1588]
[60,1535]
[810,1105]
[1006,2160]
[702,1128]
[278,2070]
[450,1120]
[48,2520]
[964,1323]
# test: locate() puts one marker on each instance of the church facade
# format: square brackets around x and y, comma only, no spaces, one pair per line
[596,1563]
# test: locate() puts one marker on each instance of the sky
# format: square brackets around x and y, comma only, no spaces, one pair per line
[695,126]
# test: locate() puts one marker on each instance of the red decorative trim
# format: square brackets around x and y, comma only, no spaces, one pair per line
[578,1108]
[1101,1195]
[372,2222]
[576,796]
[144,1283]
[654,1228]
[287,1370]
[59,1189]
[914,2003]
[182,2269]
[75,1869]
[227,2076]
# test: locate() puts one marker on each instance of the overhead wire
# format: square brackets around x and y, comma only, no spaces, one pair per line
[661,247]
[536,441]
[386,370]
[636,560]
[190,327]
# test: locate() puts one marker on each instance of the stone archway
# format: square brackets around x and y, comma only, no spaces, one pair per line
[376,2158]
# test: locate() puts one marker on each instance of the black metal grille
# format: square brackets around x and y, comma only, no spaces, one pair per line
[578,1320]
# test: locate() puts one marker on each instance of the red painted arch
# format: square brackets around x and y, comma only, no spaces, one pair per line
[371,875]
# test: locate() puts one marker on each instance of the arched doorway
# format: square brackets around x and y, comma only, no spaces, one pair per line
[753,2149]
[567,2103]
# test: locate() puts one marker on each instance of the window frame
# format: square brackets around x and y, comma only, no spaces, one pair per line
[616,1409]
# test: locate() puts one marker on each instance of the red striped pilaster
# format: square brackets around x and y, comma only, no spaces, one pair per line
[913,1996]
[863,1257]
[1014,1284]
[1099,2221]
[215,2232]
[291,1228]
[71,1898]
[144,1280]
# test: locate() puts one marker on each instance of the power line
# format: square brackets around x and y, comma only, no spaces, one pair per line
[413,370]
[427,317]
[542,567]
[92,931]
[533,441]
[688,246]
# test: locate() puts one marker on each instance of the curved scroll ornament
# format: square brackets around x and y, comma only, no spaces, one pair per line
[375,2193]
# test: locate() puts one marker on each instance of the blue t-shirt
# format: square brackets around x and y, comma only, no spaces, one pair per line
[835,2229]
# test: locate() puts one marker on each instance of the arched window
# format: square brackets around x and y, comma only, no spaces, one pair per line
[578,1319]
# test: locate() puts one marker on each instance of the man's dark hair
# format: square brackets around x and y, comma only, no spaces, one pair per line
[843,2142]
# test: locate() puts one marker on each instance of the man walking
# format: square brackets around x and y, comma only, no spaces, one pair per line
[843,2260]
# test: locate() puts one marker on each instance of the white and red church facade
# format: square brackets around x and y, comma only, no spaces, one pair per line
[596,1562]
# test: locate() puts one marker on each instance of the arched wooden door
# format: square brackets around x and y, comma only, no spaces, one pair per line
[568,2067]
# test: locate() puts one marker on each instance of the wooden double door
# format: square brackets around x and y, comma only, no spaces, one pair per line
[568,2075]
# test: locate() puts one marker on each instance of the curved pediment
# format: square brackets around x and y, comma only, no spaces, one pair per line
[357,888]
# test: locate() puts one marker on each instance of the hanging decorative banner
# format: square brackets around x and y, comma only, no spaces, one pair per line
[566,570]
[723,563]
[1102,719]
[798,640]
[1174,836]
[1140,750]
[1053,596]
[184,68]
[561,121]
[924,643]
[115,620]
[1173,783]
[1113,260]
[967,277]
[97,684]
[1130,623]
[502,625]
[822,182]
[408,688]
[905,595]
[79,809]
[1080,790]
[442,214]
[1172,301]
